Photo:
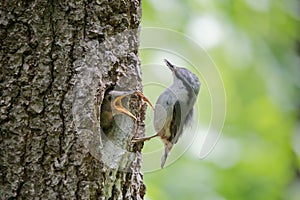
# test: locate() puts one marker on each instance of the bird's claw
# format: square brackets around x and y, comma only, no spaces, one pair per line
[135,140]
[143,139]
[144,98]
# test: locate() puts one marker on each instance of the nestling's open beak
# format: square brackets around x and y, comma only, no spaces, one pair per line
[171,67]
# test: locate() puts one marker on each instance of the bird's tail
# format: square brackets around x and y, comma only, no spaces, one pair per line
[165,156]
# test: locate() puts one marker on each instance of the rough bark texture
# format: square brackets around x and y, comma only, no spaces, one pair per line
[59,60]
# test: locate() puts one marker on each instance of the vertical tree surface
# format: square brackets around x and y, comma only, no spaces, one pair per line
[59,62]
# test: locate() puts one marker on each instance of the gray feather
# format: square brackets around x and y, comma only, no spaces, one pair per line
[163,110]
[189,118]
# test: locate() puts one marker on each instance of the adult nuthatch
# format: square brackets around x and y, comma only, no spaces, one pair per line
[174,108]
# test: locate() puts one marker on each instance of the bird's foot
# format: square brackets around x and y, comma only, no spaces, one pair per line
[145,99]
[143,139]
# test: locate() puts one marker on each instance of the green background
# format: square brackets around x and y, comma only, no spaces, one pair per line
[254,44]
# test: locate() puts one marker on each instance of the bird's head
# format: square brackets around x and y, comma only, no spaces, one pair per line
[189,79]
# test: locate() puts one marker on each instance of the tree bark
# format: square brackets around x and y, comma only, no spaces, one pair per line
[59,137]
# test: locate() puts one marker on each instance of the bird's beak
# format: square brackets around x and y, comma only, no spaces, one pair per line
[171,67]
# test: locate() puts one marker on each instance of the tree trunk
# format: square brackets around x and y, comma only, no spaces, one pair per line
[60,139]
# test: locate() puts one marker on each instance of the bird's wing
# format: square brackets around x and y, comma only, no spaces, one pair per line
[163,110]
[176,127]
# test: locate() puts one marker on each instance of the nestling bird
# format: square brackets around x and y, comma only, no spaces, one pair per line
[117,103]
[112,103]
[174,108]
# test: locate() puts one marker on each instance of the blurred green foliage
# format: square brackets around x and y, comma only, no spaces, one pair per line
[254,45]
